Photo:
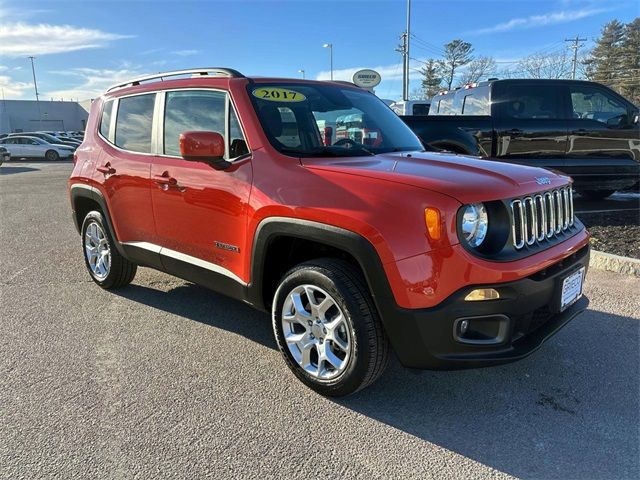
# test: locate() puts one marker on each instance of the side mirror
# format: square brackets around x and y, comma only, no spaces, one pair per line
[207,147]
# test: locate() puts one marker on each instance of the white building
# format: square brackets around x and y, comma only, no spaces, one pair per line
[24,116]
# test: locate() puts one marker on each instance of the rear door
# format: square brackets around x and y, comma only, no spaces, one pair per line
[122,168]
[14,147]
[201,215]
[600,127]
[529,123]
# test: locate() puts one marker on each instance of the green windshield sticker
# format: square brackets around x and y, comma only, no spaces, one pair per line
[275,94]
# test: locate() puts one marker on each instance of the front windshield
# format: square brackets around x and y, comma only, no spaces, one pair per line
[310,120]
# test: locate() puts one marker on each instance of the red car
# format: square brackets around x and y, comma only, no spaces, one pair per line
[355,248]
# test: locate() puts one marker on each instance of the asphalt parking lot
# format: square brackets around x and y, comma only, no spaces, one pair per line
[166,379]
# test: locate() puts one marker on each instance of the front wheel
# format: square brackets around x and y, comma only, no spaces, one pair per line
[596,194]
[52,155]
[328,329]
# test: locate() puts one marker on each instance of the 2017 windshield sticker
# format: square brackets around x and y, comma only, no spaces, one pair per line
[274,94]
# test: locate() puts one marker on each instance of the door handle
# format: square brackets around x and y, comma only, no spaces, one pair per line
[107,169]
[515,132]
[165,180]
[580,131]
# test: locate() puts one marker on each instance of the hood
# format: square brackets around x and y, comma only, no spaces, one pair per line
[467,179]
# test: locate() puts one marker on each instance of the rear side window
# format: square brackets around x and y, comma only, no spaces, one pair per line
[443,105]
[476,102]
[105,120]
[134,122]
[531,102]
[421,109]
[192,110]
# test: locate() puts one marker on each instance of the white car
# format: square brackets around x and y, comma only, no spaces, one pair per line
[32,147]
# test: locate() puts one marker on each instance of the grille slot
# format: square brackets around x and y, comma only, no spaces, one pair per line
[541,217]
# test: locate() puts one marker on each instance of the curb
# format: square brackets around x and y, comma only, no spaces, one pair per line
[614,263]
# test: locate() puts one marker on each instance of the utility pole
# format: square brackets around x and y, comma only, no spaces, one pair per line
[35,85]
[330,47]
[576,45]
[405,52]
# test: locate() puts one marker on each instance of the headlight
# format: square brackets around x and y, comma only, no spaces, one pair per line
[475,223]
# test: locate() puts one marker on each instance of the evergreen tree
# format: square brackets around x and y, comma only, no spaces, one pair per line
[604,64]
[432,81]
[629,80]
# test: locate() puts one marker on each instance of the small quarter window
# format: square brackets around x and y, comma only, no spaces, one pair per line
[237,143]
[105,120]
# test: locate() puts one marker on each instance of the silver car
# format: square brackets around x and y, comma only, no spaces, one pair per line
[32,147]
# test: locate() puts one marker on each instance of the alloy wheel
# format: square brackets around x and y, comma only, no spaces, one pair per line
[316,332]
[97,251]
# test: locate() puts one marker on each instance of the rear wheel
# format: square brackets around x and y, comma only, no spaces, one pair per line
[596,194]
[106,266]
[52,155]
[327,327]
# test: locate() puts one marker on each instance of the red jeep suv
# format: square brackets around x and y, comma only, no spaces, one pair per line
[314,201]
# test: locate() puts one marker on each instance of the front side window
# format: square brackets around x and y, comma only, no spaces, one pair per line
[531,102]
[595,104]
[192,110]
[328,120]
[105,120]
[134,122]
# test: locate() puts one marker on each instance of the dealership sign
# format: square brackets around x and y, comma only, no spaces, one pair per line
[366,78]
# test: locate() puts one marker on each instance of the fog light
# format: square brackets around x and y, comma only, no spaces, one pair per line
[482,294]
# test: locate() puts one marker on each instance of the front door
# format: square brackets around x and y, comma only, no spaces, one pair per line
[201,212]
[603,140]
[529,124]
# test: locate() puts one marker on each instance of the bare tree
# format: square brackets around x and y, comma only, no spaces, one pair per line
[477,68]
[538,65]
[457,53]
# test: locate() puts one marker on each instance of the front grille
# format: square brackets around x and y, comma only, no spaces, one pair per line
[541,217]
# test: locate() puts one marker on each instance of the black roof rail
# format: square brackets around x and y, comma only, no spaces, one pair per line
[205,71]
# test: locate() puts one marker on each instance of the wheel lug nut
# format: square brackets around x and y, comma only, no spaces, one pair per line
[310,322]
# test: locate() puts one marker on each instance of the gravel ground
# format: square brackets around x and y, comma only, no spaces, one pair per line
[164,379]
[614,232]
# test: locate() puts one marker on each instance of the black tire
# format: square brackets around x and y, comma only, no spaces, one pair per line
[52,155]
[596,194]
[121,271]
[347,287]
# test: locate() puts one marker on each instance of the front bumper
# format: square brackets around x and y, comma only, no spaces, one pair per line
[529,309]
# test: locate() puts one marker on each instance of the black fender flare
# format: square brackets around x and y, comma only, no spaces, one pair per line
[353,243]
[81,190]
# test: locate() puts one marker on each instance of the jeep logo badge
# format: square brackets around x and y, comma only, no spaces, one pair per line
[543,181]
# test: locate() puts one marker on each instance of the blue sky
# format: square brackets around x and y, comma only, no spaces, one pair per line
[84,46]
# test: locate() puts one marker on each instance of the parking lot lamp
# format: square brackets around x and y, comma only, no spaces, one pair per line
[330,47]
[302,72]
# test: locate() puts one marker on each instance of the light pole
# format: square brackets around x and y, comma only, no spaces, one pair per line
[330,47]
[302,72]
[35,86]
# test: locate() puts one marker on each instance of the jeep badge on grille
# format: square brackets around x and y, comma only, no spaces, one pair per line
[543,181]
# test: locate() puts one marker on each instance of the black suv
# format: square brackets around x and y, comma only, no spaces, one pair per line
[583,129]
